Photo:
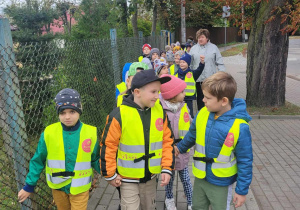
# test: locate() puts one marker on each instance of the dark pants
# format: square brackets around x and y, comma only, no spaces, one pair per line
[200,96]
[189,103]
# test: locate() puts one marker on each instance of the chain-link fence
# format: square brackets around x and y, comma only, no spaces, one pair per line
[31,75]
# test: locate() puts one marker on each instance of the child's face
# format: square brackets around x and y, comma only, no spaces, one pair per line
[183,65]
[212,103]
[188,49]
[180,97]
[146,51]
[164,70]
[154,56]
[129,79]
[69,117]
[147,95]
[163,55]
[177,59]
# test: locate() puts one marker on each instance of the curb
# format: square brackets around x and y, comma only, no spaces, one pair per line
[276,117]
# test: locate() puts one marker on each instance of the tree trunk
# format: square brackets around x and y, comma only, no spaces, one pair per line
[134,21]
[154,19]
[124,17]
[267,58]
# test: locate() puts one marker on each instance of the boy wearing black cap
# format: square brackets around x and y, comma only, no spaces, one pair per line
[137,143]
[69,150]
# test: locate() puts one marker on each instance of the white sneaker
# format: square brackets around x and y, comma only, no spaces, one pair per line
[170,204]
[189,207]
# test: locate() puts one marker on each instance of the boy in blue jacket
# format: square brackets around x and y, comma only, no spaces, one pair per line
[223,150]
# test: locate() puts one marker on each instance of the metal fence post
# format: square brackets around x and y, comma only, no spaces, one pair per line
[10,96]
[115,55]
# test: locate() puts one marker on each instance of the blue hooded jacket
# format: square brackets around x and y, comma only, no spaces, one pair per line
[215,135]
[124,71]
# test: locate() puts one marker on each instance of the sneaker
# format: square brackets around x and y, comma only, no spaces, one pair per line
[189,207]
[170,204]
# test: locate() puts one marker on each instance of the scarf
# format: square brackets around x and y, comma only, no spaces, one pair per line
[173,106]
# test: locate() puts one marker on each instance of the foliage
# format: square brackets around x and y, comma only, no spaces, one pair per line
[95,18]
[207,9]
[143,25]
[30,20]
[290,13]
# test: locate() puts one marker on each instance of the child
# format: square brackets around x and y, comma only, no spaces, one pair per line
[69,149]
[163,54]
[190,77]
[174,68]
[154,54]
[176,49]
[170,58]
[122,86]
[134,68]
[137,144]
[223,151]
[146,52]
[188,47]
[161,67]
[171,98]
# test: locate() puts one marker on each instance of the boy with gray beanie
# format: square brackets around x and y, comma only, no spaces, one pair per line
[69,149]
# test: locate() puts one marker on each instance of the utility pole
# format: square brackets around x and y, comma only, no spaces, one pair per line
[183,28]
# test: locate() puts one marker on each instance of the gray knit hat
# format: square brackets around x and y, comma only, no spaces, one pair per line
[68,99]
[154,50]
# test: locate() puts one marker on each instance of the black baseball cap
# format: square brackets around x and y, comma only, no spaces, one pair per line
[145,77]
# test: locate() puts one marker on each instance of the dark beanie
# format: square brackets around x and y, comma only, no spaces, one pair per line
[187,58]
[68,99]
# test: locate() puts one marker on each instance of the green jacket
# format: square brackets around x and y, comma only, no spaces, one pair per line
[71,143]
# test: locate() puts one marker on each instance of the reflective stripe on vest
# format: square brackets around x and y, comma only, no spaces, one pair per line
[225,165]
[132,142]
[190,89]
[81,181]
[172,69]
[121,87]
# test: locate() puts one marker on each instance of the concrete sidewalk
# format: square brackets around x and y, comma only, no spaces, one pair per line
[107,197]
[276,150]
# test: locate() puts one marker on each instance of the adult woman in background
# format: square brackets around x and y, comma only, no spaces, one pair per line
[213,60]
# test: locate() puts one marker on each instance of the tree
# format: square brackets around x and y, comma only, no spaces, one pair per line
[95,18]
[134,18]
[124,16]
[267,57]
[268,48]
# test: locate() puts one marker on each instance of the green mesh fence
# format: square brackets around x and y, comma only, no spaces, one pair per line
[31,75]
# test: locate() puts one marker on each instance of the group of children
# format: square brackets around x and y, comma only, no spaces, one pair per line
[151,131]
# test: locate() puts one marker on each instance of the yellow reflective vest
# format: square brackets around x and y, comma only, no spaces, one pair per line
[56,174]
[140,58]
[190,89]
[225,165]
[121,87]
[172,69]
[131,151]
[184,122]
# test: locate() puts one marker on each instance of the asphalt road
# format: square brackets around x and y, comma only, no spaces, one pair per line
[293,64]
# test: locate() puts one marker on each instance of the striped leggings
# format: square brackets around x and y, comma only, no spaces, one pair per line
[186,182]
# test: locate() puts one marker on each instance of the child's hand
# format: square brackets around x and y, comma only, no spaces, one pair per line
[165,178]
[23,195]
[176,151]
[202,57]
[116,182]
[239,200]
